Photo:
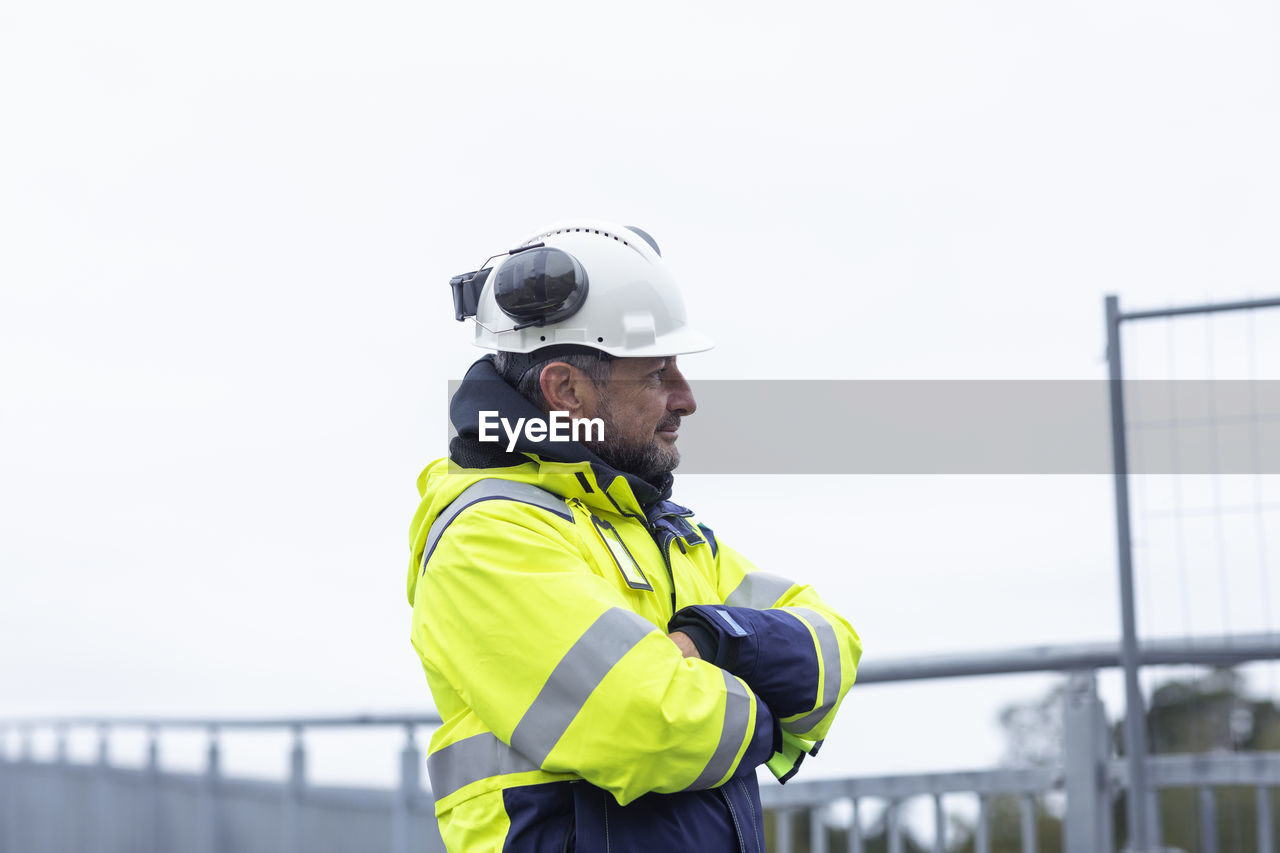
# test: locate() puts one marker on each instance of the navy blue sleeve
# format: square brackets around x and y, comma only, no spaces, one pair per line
[765,741]
[771,650]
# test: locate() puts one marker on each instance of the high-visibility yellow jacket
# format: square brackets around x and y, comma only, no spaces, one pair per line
[542,594]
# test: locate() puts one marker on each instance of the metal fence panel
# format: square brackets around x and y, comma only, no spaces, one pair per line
[178,817]
[248,823]
[52,808]
[327,827]
[57,806]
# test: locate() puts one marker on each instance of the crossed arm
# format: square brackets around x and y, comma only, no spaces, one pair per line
[573,680]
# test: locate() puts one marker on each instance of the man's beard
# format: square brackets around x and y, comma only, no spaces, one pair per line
[647,461]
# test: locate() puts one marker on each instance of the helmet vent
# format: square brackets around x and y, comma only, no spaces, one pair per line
[581,230]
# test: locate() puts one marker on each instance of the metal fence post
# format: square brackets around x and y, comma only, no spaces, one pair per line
[939,825]
[855,829]
[104,826]
[22,823]
[8,791]
[410,789]
[1262,805]
[893,826]
[5,795]
[1153,808]
[153,830]
[23,826]
[212,834]
[817,829]
[1084,753]
[782,830]
[1208,821]
[1110,789]
[982,842]
[1027,808]
[293,793]
[1140,819]
[62,786]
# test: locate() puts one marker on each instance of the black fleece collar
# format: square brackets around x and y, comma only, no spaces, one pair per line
[483,389]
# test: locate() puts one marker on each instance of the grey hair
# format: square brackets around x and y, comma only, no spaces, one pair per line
[597,367]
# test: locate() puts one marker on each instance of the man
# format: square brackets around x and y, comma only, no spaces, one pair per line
[609,674]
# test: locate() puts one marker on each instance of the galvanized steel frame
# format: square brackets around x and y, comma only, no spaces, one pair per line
[1143,827]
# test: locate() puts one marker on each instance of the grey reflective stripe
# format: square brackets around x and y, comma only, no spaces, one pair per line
[829,648]
[470,760]
[575,677]
[488,490]
[737,715]
[759,590]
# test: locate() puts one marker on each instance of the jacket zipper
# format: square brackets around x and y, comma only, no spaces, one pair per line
[568,833]
[666,558]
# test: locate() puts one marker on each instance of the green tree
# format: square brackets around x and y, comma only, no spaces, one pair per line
[1208,714]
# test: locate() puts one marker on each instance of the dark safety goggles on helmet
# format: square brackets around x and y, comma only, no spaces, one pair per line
[537,286]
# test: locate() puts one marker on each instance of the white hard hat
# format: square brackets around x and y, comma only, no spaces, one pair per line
[584,282]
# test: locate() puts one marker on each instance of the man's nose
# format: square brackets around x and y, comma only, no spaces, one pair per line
[681,401]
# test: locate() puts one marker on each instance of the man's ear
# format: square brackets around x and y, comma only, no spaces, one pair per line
[567,389]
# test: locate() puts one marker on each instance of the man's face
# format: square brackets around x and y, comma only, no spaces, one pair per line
[641,406]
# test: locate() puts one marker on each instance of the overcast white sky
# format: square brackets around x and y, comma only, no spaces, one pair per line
[226,234]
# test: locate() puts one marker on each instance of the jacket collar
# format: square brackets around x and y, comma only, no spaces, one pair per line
[484,390]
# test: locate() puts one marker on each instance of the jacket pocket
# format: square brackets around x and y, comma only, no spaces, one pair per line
[627,565]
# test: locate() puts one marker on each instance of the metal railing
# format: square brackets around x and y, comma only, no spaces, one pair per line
[1143,821]
[59,805]
[1089,779]
[56,806]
